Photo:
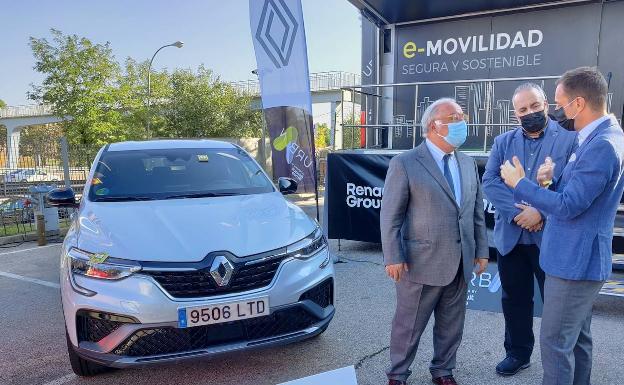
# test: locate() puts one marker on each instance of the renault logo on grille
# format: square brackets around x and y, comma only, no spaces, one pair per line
[221,270]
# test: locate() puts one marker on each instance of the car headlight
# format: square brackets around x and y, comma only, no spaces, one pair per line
[308,246]
[98,265]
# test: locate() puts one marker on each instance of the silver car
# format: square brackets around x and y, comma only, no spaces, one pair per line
[185,248]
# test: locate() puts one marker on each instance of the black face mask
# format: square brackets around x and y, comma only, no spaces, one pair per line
[560,117]
[533,122]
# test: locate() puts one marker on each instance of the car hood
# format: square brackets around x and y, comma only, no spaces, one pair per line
[186,230]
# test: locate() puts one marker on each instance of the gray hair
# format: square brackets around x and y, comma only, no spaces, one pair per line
[430,112]
[529,86]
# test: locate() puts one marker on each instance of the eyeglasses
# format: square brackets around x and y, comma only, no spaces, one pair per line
[453,118]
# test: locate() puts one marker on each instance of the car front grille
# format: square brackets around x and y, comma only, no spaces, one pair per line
[199,283]
[321,294]
[170,340]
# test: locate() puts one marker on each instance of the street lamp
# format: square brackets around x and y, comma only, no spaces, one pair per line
[177,44]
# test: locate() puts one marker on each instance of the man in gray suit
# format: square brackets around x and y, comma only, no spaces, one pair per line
[432,233]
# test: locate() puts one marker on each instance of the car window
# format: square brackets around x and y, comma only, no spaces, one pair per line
[165,173]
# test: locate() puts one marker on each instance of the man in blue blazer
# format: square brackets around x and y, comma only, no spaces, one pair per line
[580,208]
[518,226]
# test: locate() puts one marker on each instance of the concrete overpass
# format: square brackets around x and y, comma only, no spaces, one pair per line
[18,117]
[325,87]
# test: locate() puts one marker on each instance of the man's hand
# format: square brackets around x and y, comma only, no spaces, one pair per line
[512,174]
[396,271]
[537,227]
[529,218]
[545,172]
[480,265]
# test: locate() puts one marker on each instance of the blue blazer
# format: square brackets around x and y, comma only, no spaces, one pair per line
[581,208]
[558,143]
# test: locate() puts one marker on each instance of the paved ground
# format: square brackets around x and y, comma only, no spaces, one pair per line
[32,346]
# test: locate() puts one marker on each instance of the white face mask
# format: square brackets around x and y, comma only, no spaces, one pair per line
[457,133]
[564,107]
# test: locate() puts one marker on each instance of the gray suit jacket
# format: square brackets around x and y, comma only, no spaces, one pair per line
[421,223]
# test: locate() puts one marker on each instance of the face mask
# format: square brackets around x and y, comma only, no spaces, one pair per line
[565,122]
[533,122]
[457,133]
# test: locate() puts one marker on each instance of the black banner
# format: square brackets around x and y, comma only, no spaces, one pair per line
[353,192]
[292,145]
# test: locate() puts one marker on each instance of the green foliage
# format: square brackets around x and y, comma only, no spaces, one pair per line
[350,135]
[200,105]
[80,82]
[2,103]
[105,102]
[321,136]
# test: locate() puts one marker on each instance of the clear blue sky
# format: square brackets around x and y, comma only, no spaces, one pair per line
[216,33]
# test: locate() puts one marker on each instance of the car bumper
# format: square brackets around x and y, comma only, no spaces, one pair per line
[149,331]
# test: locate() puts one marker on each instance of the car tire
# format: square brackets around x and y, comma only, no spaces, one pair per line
[82,367]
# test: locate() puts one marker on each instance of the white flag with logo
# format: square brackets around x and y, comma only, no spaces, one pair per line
[279,41]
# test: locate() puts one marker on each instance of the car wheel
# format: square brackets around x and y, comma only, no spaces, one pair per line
[82,367]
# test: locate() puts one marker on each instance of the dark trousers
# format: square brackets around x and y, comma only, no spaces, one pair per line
[517,271]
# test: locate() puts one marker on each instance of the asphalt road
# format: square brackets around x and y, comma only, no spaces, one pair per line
[32,346]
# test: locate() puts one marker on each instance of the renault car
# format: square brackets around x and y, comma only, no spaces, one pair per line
[185,248]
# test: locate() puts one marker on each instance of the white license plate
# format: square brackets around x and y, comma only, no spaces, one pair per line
[222,312]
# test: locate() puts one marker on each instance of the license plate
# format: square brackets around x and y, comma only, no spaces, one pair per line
[223,312]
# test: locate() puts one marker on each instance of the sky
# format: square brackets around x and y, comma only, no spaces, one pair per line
[215,33]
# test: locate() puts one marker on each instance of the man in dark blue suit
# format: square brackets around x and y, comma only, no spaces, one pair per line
[518,226]
[580,208]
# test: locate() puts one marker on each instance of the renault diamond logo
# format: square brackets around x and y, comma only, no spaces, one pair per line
[221,270]
[276,31]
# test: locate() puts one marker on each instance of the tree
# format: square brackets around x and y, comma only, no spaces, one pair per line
[104,102]
[41,143]
[201,105]
[321,136]
[2,103]
[350,134]
[80,83]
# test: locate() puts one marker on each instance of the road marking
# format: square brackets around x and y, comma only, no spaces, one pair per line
[31,280]
[30,249]
[62,380]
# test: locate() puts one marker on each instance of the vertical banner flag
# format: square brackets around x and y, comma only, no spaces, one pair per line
[281,53]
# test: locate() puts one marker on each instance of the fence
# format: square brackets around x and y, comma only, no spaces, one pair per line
[34,164]
[487,102]
[54,164]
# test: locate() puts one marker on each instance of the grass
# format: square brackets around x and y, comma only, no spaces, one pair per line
[9,229]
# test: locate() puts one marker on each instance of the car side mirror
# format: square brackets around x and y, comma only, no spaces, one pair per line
[61,197]
[287,185]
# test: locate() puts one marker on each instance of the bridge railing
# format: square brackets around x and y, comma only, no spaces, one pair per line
[319,81]
[25,111]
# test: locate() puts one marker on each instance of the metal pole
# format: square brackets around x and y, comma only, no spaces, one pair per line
[263,139]
[65,158]
[353,120]
[415,116]
[177,44]
[149,106]
[264,129]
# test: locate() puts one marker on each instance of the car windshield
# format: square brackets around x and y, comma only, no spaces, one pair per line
[176,173]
